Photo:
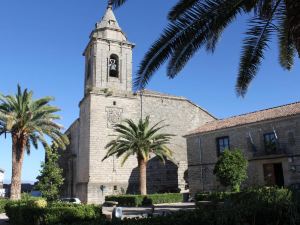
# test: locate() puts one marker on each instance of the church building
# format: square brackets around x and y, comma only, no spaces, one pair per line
[108,99]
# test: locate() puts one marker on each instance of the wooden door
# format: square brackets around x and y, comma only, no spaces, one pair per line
[269,174]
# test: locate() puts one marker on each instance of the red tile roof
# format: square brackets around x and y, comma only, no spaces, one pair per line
[248,118]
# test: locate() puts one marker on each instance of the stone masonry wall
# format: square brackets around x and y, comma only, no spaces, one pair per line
[202,152]
[108,177]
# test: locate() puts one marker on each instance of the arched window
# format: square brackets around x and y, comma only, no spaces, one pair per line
[113,66]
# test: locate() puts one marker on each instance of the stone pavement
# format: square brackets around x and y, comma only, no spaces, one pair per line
[3,219]
[160,209]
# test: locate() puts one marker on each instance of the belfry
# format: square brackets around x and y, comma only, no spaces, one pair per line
[108,56]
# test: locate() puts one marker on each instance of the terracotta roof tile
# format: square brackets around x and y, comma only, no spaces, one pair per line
[253,117]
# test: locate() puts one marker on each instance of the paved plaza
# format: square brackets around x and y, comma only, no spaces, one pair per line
[3,219]
[160,209]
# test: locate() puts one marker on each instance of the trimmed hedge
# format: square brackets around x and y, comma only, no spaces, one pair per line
[266,206]
[253,206]
[141,200]
[214,196]
[33,213]
[262,193]
[3,203]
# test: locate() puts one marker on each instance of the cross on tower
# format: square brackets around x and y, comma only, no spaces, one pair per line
[109,4]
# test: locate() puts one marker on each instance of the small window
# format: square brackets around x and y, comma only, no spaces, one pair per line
[89,69]
[270,142]
[113,66]
[222,144]
[114,103]
[115,188]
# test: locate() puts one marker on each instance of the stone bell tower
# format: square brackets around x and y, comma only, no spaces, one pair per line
[108,57]
[107,95]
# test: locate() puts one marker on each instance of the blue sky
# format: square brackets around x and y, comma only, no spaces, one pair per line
[41,47]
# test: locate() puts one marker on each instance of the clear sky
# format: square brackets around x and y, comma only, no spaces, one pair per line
[41,47]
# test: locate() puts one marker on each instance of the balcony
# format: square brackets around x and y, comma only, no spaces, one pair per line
[274,149]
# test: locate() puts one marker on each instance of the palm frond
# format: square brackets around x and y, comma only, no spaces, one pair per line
[180,8]
[177,37]
[221,16]
[264,8]
[31,119]
[139,139]
[287,48]
[255,43]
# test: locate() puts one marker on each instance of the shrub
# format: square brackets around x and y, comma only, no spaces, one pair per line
[213,196]
[23,212]
[3,202]
[33,212]
[264,206]
[69,214]
[254,206]
[231,169]
[140,200]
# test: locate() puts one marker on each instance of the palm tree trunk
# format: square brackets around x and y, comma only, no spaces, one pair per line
[293,14]
[143,176]
[18,147]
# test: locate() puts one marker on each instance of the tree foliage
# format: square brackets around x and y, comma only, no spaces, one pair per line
[50,179]
[29,122]
[140,140]
[231,169]
[199,24]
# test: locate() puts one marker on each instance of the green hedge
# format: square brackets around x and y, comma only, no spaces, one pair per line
[262,193]
[214,196]
[3,203]
[29,213]
[266,206]
[253,206]
[140,200]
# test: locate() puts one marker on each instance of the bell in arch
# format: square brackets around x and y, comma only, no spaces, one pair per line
[113,66]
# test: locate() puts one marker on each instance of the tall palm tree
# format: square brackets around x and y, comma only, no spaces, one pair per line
[28,121]
[194,24]
[142,141]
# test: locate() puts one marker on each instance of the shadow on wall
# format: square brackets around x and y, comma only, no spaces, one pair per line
[161,177]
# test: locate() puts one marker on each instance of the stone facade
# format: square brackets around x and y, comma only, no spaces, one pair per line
[276,164]
[108,99]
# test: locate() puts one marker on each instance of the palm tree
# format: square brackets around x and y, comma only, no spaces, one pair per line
[28,121]
[195,24]
[142,141]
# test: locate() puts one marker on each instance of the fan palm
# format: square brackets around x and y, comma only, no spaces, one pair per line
[28,121]
[194,24]
[142,141]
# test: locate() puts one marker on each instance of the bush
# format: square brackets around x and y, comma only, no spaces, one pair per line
[140,200]
[231,169]
[264,206]
[214,196]
[69,214]
[3,202]
[34,212]
[253,206]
